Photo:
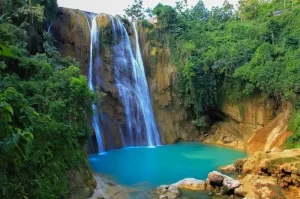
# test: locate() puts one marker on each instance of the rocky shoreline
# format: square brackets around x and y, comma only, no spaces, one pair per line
[263,175]
[216,182]
[107,189]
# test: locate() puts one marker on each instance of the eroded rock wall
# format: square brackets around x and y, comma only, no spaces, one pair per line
[272,175]
[71,31]
[255,124]
[172,119]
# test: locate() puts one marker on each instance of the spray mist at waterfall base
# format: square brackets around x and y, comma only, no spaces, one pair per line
[151,167]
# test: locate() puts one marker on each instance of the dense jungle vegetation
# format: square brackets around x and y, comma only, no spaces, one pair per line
[45,106]
[227,54]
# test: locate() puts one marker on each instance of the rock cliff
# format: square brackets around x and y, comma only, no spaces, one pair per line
[255,124]
[71,31]
[172,119]
[272,175]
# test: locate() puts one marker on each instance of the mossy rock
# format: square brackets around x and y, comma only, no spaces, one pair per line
[103,21]
[275,163]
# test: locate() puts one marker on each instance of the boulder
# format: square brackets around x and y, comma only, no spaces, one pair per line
[228,169]
[231,183]
[167,192]
[163,197]
[162,189]
[239,165]
[173,191]
[191,184]
[215,178]
[222,184]
[240,191]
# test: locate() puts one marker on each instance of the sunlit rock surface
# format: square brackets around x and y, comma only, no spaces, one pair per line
[172,118]
[271,175]
[255,124]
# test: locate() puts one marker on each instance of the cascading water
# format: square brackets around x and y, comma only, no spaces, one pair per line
[94,60]
[132,85]
[143,89]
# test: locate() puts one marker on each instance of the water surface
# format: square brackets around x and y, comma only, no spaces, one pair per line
[151,167]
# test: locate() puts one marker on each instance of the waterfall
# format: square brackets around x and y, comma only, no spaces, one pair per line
[139,127]
[142,87]
[94,60]
[132,85]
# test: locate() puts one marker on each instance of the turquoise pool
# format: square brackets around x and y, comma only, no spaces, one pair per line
[163,164]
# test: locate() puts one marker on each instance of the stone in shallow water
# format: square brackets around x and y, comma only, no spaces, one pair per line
[228,169]
[165,192]
[191,184]
[163,197]
[215,178]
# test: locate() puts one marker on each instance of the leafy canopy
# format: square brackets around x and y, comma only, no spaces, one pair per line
[224,54]
[45,106]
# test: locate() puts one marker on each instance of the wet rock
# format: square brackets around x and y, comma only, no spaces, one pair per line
[167,192]
[162,189]
[222,184]
[191,184]
[174,191]
[209,187]
[163,197]
[108,189]
[216,178]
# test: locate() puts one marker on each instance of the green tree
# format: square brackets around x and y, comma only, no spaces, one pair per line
[45,106]
[135,11]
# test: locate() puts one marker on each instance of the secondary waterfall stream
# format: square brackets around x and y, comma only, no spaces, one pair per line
[94,59]
[130,81]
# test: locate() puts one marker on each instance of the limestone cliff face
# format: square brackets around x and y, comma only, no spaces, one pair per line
[255,124]
[273,134]
[71,30]
[241,121]
[172,119]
